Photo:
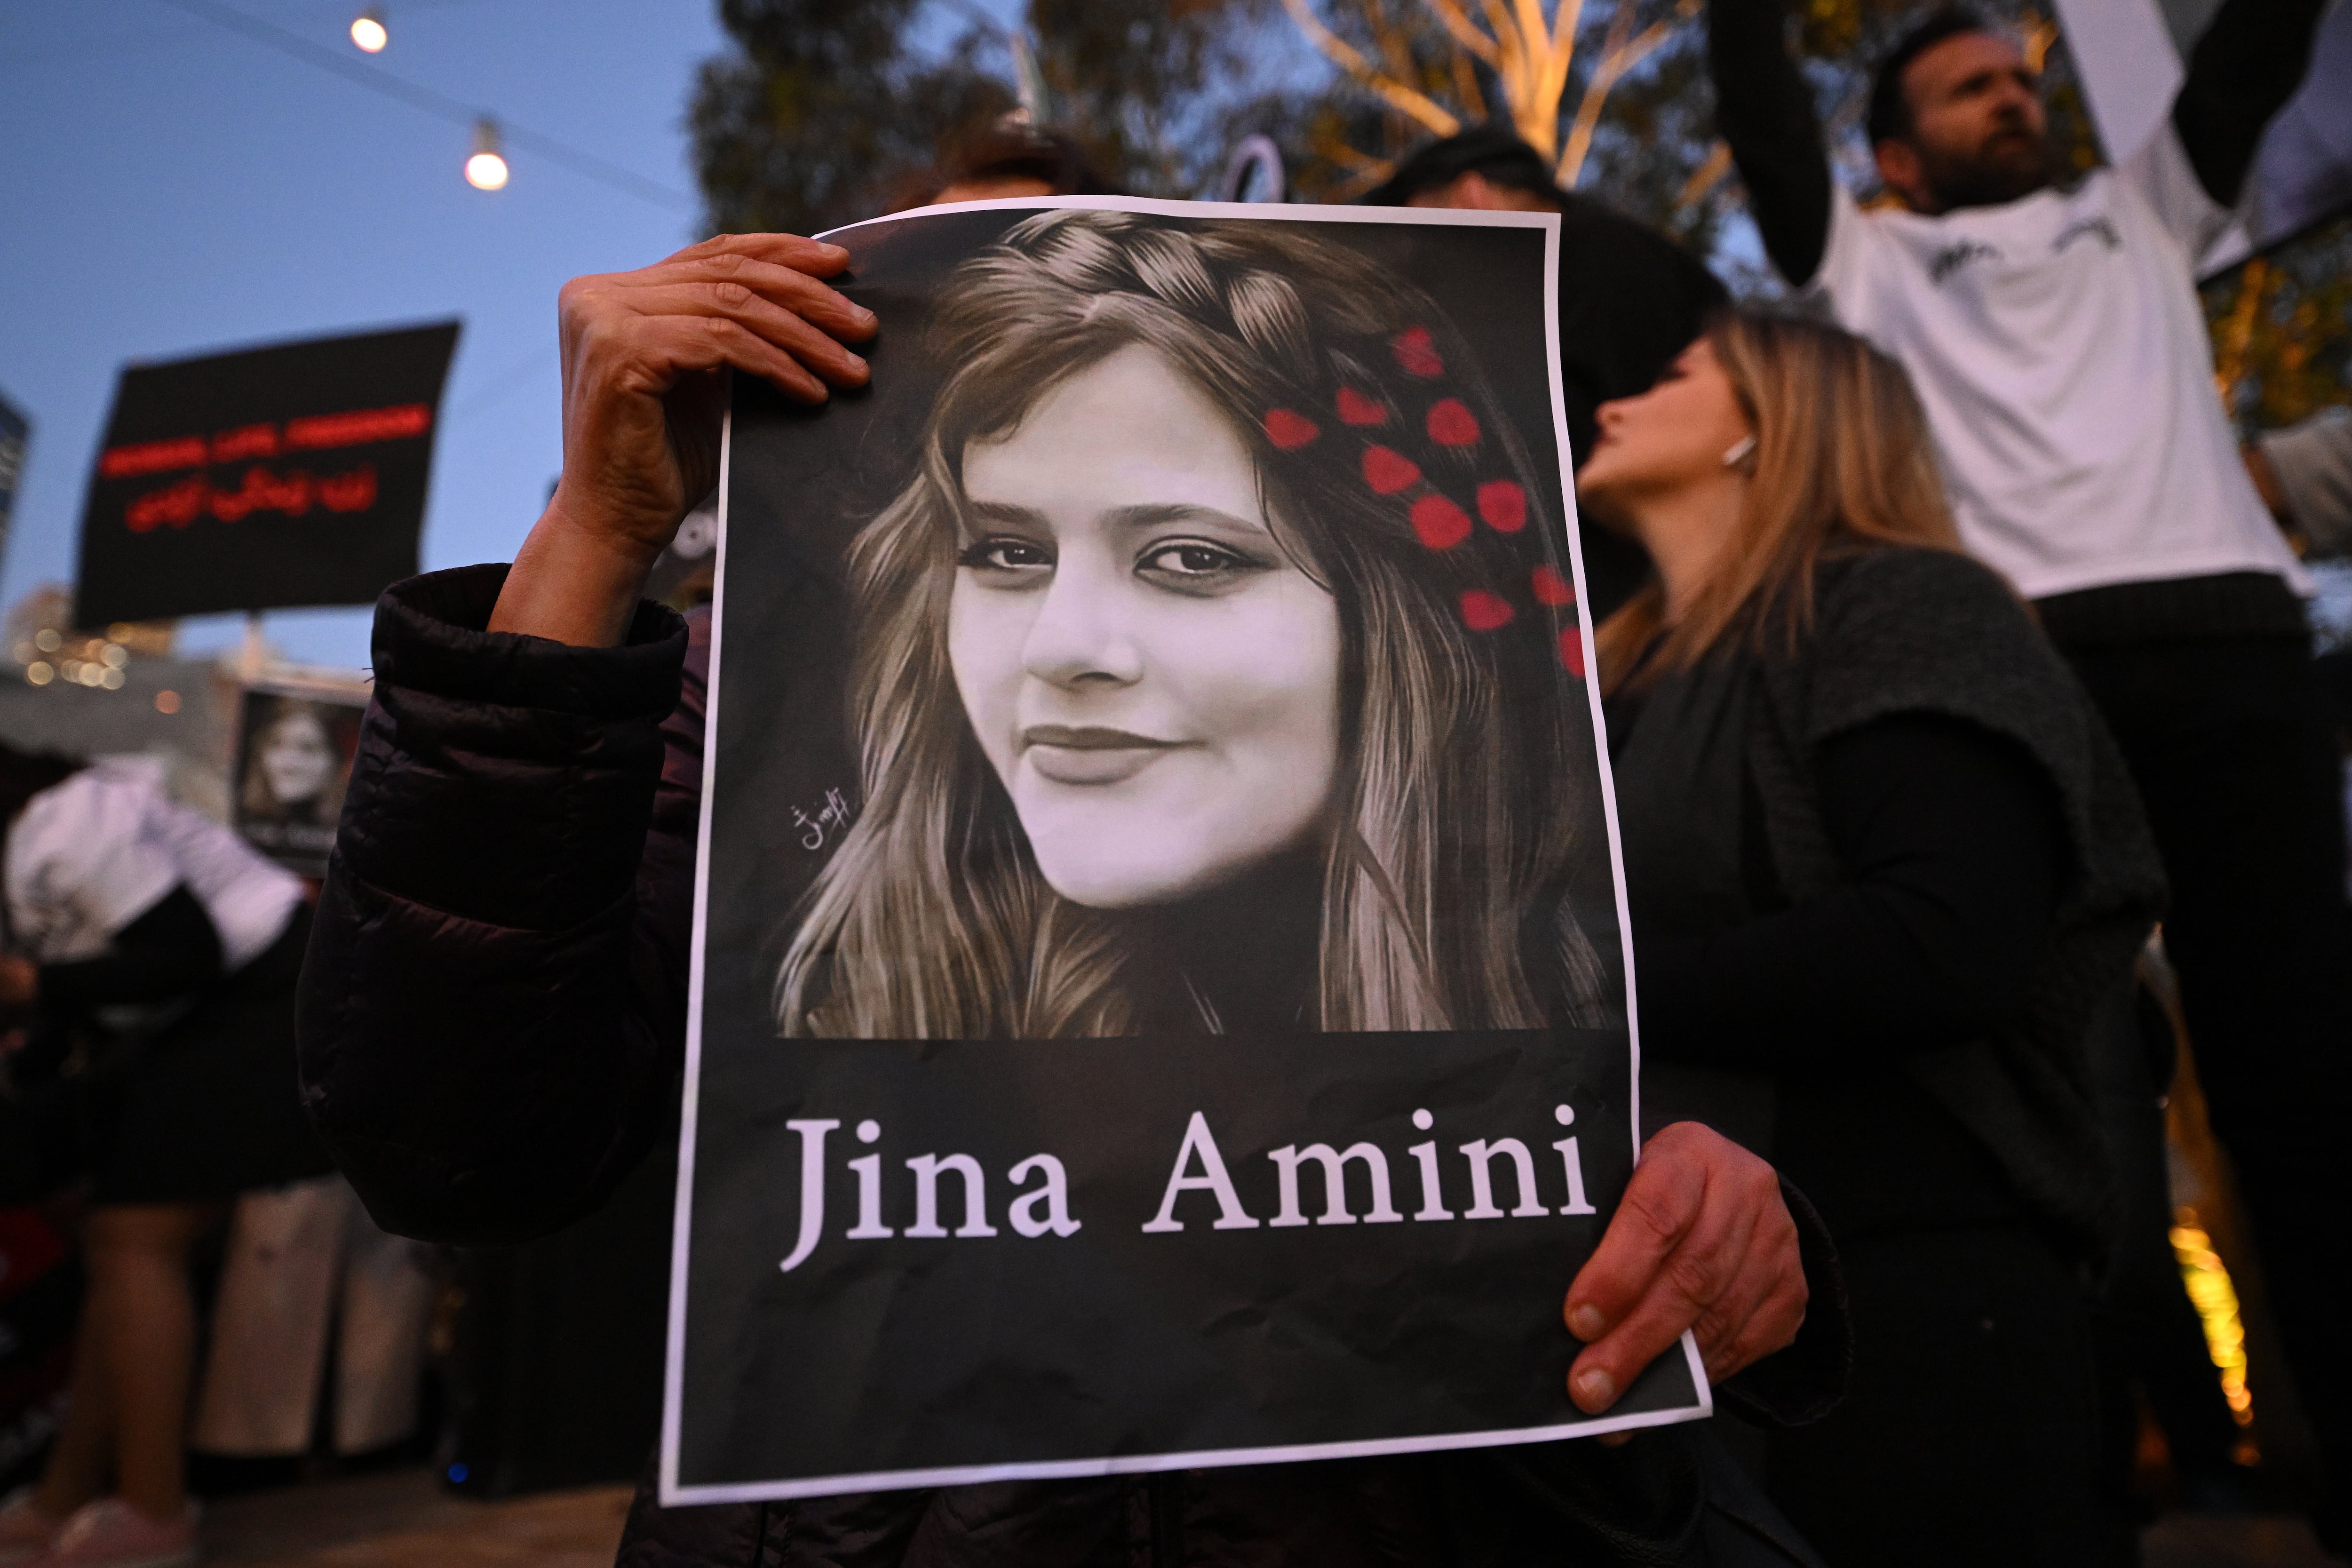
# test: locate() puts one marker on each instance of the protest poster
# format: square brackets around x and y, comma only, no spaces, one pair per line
[288,474]
[294,753]
[1159,995]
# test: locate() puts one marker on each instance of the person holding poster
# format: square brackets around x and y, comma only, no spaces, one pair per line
[2054,332]
[499,1000]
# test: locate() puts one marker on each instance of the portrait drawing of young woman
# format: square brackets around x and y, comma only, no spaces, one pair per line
[1217,668]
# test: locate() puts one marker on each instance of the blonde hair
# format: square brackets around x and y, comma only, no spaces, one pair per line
[1461,817]
[1844,462]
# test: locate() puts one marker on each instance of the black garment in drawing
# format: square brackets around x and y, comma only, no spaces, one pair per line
[493,1023]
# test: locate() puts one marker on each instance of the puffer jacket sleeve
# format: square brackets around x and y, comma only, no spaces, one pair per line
[493,1006]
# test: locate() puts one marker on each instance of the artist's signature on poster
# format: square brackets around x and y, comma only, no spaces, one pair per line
[830,819]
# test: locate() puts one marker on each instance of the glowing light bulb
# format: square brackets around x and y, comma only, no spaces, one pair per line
[368,30]
[486,169]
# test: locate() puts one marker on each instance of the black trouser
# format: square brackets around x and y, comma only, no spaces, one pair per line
[1969,1433]
[2238,762]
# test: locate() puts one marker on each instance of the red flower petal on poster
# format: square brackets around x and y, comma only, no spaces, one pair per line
[1504,506]
[1552,588]
[1388,472]
[1572,650]
[1439,524]
[1485,612]
[1452,425]
[1416,352]
[1358,409]
[1289,430]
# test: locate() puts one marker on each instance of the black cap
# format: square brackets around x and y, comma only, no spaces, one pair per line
[1494,150]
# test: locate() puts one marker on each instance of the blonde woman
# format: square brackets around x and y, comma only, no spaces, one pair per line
[1882,863]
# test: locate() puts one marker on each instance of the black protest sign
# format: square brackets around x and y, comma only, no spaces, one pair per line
[283,476]
[294,755]
[1158,990]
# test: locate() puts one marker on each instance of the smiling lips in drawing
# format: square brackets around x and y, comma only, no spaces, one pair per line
[1090,754]
[1154,676]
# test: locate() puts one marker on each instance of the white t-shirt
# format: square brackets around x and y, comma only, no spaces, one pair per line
[2061,351]
[88,856]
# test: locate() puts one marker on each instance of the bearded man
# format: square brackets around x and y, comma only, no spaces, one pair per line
[2054,333]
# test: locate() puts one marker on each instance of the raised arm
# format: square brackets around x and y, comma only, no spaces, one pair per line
[485,1042]
[1764,109]
[494,1001]
[2242,72]
[646,360]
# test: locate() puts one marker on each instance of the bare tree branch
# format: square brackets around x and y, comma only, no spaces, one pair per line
[1466,83]
[1464,31]
[1419,106]
[1707,176]
[1620,57]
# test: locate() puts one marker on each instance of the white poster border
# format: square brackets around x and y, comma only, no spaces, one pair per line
[674,1495]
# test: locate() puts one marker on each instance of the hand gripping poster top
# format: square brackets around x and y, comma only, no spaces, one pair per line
[1159,985]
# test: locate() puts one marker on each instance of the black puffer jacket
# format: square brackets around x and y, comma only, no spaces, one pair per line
[493,1021]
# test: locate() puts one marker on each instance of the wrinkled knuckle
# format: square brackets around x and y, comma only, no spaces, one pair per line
[731,295]
[598,333]
[1648,1205]
[725,263]
[1692,1277]
[577,297]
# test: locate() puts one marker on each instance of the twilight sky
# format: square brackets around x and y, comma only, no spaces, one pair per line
[168,186]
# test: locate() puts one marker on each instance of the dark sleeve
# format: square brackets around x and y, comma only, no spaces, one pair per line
[1954,852]
[1805,1380]
[169,951]
[491,1012]
[2242,72]
[1764,109]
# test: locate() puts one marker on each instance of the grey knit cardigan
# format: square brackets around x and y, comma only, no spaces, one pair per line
[1908,630]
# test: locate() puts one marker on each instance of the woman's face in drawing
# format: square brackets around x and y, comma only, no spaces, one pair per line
[296,758]
[1154,678]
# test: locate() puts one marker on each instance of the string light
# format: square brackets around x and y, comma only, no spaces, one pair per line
[368,30]
[486,169]
[375,79]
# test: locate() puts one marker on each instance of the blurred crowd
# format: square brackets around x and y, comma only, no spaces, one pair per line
[1974,769]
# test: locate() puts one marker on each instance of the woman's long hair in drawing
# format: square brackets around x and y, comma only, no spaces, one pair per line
[1463,820]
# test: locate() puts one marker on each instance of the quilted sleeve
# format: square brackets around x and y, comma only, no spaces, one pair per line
[487,1042]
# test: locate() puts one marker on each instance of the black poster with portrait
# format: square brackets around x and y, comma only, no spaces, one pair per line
[294,752]
[1159,989]
[293,474]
